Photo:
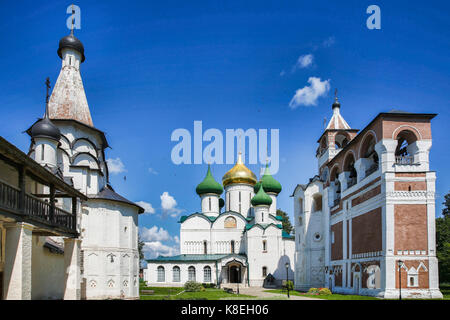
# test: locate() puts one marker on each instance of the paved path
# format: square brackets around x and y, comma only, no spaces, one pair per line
[260,294]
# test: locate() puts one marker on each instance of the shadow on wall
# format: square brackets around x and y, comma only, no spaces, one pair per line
[281,273]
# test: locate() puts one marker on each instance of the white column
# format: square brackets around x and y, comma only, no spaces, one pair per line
[17,270]
[72,276]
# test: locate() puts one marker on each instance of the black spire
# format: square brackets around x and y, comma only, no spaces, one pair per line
[336,103]
[44,128]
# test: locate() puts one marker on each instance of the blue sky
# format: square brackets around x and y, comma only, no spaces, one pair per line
[152,67]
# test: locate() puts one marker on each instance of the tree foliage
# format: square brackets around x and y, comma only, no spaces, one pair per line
[287,226]
[140,249]
[443,242]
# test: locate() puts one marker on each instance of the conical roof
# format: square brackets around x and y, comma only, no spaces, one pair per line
[209,185]
[268,182]
[337,121]
[68,99]
[239,174]
[261,198]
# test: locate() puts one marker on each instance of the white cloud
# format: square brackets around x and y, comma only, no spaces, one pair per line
[176,239]
[153,249]
[304,61]
[154,234]
[308,95]
[169,205]
[282,73]
[115,166]
[328,42]
[147,207]
[152,171]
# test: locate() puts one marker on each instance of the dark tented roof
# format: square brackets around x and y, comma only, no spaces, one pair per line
[108,193]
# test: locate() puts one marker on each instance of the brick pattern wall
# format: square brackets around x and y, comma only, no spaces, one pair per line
[410,222]
[366,232]
[336,247]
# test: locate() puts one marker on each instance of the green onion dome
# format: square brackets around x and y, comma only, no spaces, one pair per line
[261,198]
[268,182]
[221,203]
[209,185]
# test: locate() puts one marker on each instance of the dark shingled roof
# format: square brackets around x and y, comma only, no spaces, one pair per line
[108,193]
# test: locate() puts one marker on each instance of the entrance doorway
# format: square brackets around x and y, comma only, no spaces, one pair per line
[235,274]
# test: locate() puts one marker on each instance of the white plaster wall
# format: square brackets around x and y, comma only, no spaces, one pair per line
[152,274]
[47,272]
[110,249]
[232,198]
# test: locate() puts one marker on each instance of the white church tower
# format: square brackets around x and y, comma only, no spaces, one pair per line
[66,141]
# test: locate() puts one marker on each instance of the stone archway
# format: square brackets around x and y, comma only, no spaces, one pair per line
[234,274]
[235,271]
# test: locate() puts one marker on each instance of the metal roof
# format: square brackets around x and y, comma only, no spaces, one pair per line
[193,257]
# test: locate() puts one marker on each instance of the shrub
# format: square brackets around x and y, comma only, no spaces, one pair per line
[192,286]
[209,285]
[324,292]
[313,291]
[289,285]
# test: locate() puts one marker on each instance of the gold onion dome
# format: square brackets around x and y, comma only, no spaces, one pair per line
[239,174]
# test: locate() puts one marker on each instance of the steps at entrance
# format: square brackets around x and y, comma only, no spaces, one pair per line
[233,286]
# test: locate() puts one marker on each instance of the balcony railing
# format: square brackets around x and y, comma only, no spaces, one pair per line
[404,160]
[35,209]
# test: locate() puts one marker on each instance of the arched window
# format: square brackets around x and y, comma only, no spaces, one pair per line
[232,246]
[191,273]
[403,152]
[368,152]
[207,274]
[240,202]
[264,245]
[264,271]
[334,178]
[341,140]
[209,203]
[161,274]
[205,247]
[349,166]
[316,202]
[176,274]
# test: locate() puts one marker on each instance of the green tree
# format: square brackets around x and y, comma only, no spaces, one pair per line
[140,249]
[443,241]
[287,226]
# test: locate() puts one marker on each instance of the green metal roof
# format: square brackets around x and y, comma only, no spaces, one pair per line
[279,218]
[268,182]
[212,219]
[248,226]
[193,257]
[209,185]
[261,198]
[287,235]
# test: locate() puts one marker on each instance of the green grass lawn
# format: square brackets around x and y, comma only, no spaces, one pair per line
[444,287]
[162,293]
[329,297]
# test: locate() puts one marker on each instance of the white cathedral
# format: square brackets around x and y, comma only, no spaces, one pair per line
[245,244]
[100,258]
